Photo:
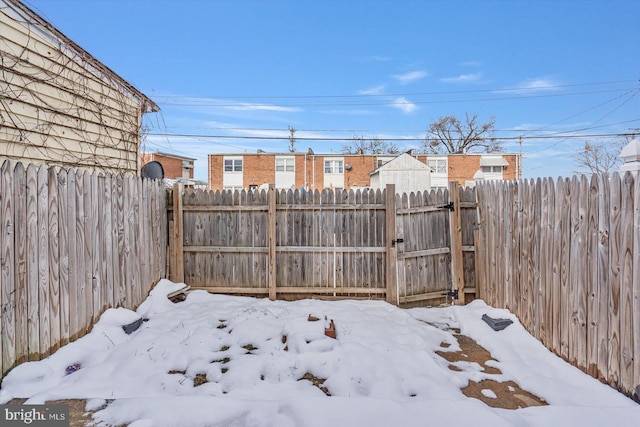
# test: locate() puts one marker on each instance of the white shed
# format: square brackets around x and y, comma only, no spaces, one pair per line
[405,171]
[630,155]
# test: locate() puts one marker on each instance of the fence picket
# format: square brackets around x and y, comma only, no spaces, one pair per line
[43,265]
[72,255]
[54,266]
[20,258]
[7,277]
[627,328]
[615,238]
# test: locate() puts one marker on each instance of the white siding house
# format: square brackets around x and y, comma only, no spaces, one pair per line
[59,104]
[405,171]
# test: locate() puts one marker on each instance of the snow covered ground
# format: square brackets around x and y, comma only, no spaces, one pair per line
[381,370]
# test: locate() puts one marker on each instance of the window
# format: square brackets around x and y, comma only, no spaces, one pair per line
[333,166]
[438,165]
[490,169]
[285,165]
[381,162]
[233,165]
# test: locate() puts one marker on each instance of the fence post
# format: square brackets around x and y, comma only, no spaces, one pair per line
[272,242]
[178,234]
[391,270]
[455,228]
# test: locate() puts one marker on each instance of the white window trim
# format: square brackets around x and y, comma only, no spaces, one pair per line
[335,166]
[437,160]
[234,162]
[286,163]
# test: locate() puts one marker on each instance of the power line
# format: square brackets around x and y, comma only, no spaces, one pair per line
[399,139]
[370,95]
[377,131]
[392,102]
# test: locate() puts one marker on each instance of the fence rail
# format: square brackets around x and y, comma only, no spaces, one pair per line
[564,256]
[72,244]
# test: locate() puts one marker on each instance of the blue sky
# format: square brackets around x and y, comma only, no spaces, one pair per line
[226,72]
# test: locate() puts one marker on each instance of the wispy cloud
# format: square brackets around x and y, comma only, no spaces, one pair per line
[380,58]
[410,76]
[404,104]
[244,106]
[376,90]
[463,78]
[209,102]
[471,64]
[537,85]
[355,112]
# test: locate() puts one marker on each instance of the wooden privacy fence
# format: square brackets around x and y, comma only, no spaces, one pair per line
[72,244]
[295,244]
[564,256]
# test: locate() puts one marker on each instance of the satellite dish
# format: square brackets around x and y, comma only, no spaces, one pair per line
[152,170]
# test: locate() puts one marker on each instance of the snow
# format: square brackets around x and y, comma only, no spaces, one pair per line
[381,369]
[489,393]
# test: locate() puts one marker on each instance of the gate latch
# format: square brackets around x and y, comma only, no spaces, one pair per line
[447,206]
[453,294]
[393,242]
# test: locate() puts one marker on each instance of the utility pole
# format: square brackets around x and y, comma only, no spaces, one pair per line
[519,176]
[292,139]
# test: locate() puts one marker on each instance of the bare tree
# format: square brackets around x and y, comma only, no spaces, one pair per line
[600,157]
[359,145]
[449,135]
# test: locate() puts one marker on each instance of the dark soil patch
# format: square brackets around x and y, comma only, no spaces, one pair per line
[508,394]
[318,382]
[249,348]
[199,380]
[470,351]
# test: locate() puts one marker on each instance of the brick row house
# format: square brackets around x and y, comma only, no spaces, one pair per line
[174,166]
[317,171]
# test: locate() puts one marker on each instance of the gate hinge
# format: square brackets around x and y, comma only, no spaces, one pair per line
[447,206]
[453,294]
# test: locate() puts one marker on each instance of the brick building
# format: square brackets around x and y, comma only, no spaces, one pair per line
[318,171]
[174,166]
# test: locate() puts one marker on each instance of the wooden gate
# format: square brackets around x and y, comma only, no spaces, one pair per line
[432,228]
